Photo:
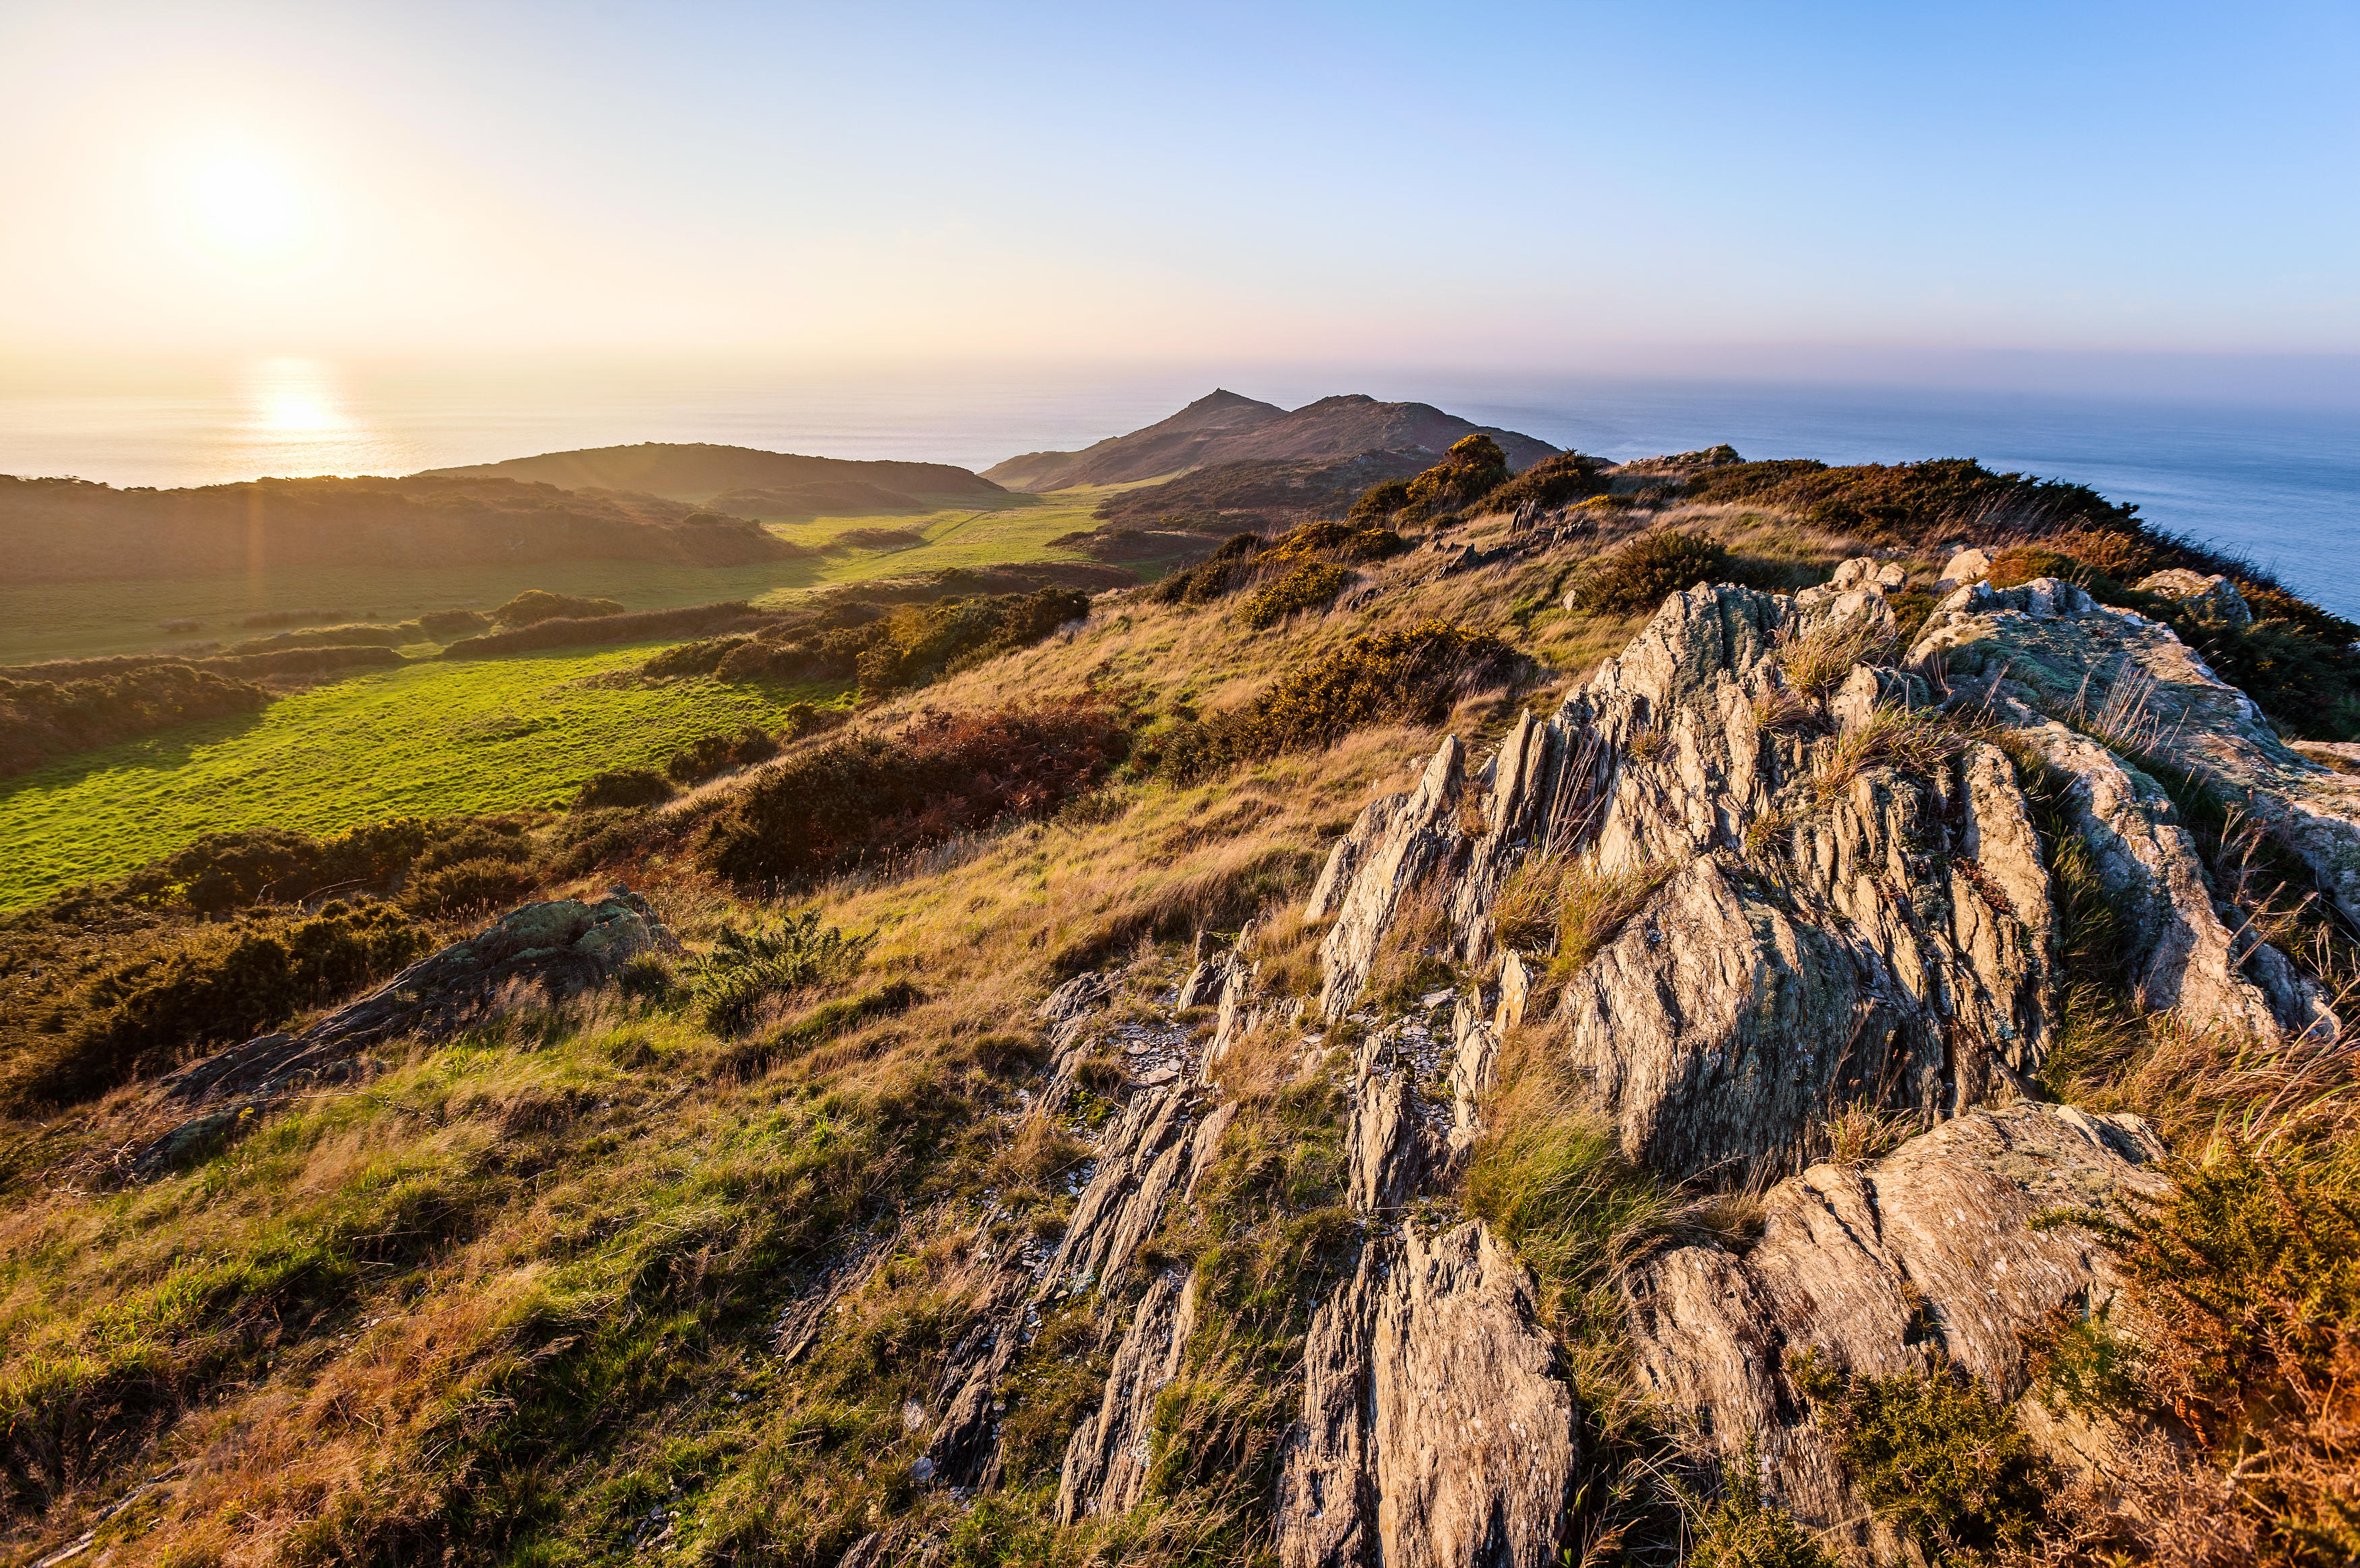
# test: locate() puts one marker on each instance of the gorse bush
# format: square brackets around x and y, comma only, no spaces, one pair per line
[42,721]
[532,606]
[211,985]
[710,755]
[1552,482]
[886,650]
[1307,586]
[1404,677]
[1474,468]
[621,787]
[1912,503]
[1934,1456]
[746,968]
[875,793]
[468,887]
[1642,574]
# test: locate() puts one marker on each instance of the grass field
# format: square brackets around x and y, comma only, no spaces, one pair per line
[83,620]
[426,740]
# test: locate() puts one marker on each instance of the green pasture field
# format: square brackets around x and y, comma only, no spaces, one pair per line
[429,740]
[84,620]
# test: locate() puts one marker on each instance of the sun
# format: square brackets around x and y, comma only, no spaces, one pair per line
[249,211]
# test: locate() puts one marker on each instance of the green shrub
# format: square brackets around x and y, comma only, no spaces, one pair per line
[1552,482]
[710,755]
[1474,468]
[1912,503]
[873,794]
[746,968]
[1935,1456]
[1308,585]
[532,606]
[453,623]
[211,986]
[42,721]
[622,787]
[1640,575]
[1380,503]
[1403,677]
[1740,1528]
[468,887]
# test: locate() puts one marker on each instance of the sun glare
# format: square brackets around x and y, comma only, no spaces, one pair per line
[249,211]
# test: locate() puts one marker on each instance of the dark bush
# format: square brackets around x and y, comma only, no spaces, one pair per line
[708,756]
[1552,482]
[1400,677]
[874,794]
[532,606]
[1472,469]
[1641,575]
[1226,569]
[622,787]
[453,623]
[214,985]
[475,838]
[1915,503]
[42,721]
[467,888]
[226,871]
[1312,583]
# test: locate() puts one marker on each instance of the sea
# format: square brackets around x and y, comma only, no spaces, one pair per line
[2279,486]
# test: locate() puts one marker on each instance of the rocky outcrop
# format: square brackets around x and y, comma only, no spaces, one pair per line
[2106,695]
[2211,598]
[552,949]
[1107,1460]
[1391,851]
[1929,1254]
[1434,1432]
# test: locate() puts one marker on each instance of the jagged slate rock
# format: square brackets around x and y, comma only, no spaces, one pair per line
[1417,838]
[1107,1459]
[1522,776]
[1474,1067]
[1206,1145]
[1345,860]
[2207,597]
[1387,1152]
[556,947]
[868,1551]
[1719,1028]
[1434,1432]
[1323,1514]
[799,1326]
[1140,1158]
[1231,1017]
[1067,1011]
[1930,1250]
[1515,991]
[2052,646]
[966,1441]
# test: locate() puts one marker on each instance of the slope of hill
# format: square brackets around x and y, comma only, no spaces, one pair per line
[65,530]
[1658,1031]
[1226,428]
[699,470]
[1259,494]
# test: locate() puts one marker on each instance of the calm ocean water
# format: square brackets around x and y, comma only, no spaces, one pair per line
[2281,487]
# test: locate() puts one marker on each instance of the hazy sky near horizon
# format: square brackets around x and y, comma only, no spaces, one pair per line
[1577,186]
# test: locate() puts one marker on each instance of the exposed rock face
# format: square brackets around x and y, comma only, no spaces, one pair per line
[1391,851]
[1931,1251]
[1435,1432]
[554,947]
[1107,1461]
[2029,654]
[2209,598]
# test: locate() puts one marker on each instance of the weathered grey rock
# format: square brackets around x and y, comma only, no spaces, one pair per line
[1965,566]
[1344,861]
[1386,1143]
[547,948]
[2208,597]
[2045,652]
[1931,1251]
[1107,1459]
[1520,782]
[1434,1433]
[1415,838]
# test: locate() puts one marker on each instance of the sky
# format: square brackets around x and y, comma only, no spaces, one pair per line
[2140,193]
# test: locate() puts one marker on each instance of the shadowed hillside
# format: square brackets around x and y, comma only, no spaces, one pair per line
[700,471]
[1223,427]
[65,530]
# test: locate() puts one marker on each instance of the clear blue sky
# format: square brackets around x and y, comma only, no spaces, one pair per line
[1688,185]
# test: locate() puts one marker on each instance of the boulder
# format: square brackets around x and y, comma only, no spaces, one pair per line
[1930,1256]
[551,948]
[1434,1432]
[2212,598]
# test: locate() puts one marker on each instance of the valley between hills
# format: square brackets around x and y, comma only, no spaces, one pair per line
[1313,987]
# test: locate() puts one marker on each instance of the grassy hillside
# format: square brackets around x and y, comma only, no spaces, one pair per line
[516,1296]
[435,739]
[81,620]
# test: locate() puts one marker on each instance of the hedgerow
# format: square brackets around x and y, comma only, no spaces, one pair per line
[42,721]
